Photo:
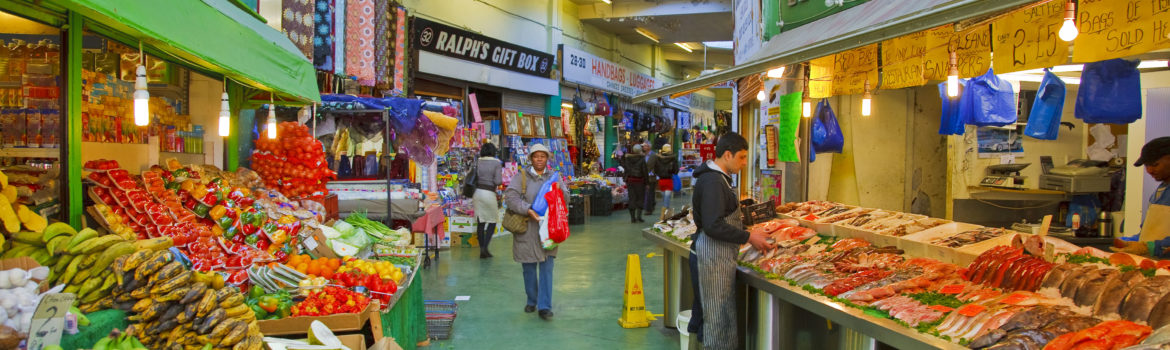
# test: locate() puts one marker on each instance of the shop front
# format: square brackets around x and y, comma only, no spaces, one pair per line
[951,152]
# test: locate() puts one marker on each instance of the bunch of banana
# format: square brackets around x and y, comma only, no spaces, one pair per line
[119,341]
[173,307]
[81,260]
[40,246]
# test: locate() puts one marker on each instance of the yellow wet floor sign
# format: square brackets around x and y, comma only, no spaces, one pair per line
[634,313]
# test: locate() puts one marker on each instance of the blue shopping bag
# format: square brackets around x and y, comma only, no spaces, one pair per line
[1044,119]
[988,101]
[1110,92]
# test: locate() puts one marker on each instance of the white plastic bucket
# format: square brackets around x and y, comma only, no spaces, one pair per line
[684,338]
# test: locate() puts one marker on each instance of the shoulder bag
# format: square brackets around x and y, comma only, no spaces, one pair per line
[469,182]
[513,222]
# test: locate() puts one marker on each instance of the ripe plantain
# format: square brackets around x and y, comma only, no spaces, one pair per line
[168,271]
[231,301]
[142,305]
[152,265]
[136,259]
[236,311]
[206,304]
[173,295]
[235,335]
[175,282]
[212,320]
[194,293]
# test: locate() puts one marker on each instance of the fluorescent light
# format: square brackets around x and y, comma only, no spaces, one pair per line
[1153,64]
[646,34]
[566,105]
[776,73]
[1066,68]
[1037,78]
[607,1]
[684,47]
[726,45]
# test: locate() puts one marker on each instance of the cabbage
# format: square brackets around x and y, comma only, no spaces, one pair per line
[329,232]
[344,227]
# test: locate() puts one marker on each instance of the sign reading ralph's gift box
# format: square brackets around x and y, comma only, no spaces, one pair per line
[458,43]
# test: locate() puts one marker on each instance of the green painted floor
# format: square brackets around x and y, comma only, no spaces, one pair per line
[587,299]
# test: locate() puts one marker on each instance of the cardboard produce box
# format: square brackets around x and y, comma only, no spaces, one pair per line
[353,341]
[300,325]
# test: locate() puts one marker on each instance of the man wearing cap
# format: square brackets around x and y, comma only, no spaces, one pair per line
[527,250]
[1155,235]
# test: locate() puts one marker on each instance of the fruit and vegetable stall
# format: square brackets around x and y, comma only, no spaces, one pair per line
[190,256]
[916,282]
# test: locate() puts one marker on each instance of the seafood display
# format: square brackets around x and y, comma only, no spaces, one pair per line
[969,237]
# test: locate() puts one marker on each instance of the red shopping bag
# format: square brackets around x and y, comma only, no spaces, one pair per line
[558,214]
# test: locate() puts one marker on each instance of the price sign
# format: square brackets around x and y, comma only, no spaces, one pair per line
[941,308]
[1026,39]
[820,74]
[903,58]
[851,69]
[48,322]
[952,289]
[972,310]
[1119,28]
[1014,298]
[972,46]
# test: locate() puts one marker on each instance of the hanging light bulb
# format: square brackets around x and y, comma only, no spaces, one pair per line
[953,76]
[1068,30]
[776,73]
[225,116]
[806,106]
[271,124]
[141,96]
[761,96]
[867,101]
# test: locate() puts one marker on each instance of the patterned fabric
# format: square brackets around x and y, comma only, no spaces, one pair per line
[323,35]
[297,24]
[399,56]
[339,37]
[382,42]
[359,40]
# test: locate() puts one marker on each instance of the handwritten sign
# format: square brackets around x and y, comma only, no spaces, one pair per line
[952,289]
[851,69]
[972,46]
[770,131]
[1026,39]
[48,322]
[903,59]
[1118,28]
[972,310]
[820,76]
[941,308]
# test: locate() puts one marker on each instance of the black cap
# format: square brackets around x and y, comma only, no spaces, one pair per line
[1154,150]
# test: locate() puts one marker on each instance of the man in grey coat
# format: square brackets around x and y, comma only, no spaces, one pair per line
[526,248]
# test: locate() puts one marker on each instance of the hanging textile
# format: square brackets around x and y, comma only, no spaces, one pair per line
[359,40]
[339,36]
[297,24]
[323,37]
[382,43]
[399,55]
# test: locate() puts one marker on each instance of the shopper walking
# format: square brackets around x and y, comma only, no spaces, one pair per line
[490,175]
[721,232]
[636,177]
[522,191]
[664,164]
[648,203]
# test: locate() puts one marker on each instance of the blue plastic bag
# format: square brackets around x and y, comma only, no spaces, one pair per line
[1087,206]
[951,123]
[1110,92]
[988,101]
[540,205]
[826,133]
[1044,119]
[677,183]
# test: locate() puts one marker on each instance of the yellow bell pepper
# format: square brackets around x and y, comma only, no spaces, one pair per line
[217,212]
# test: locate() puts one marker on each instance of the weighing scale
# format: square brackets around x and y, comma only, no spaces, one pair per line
[1005,176]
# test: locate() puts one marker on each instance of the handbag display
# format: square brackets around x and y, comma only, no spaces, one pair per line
[513,222]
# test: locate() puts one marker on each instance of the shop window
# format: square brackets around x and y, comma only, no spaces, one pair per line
[30,112]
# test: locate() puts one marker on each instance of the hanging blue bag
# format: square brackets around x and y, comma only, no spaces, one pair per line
[677,183]
[988,101]
[1044,119]
[826,133]
[1110,92]
[951,123]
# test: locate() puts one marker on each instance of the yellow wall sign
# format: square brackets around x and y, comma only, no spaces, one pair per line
[902,60]
[973,48]
[1027,39]
[820,75]
[851,69]
[1119,28]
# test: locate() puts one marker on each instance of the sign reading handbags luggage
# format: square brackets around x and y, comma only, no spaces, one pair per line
[458,43]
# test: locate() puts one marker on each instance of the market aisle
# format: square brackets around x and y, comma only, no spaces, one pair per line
[588,283]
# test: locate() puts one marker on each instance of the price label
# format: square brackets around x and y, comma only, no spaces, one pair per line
[1014,298]
[1026,39]
[903,58]
[941,308]
[851,69]
[972,48]
[48,321]
[1119,28]
[972,310]
[952,289]
[820,75]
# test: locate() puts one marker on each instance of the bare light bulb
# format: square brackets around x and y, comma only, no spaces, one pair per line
[952,86]
[806,108]
[776,73]
[225,119]
[761,96]
[271,125]
[866,105]
[141,98]
[1068,30]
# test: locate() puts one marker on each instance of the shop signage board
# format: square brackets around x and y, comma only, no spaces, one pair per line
[1026,39]
[903,57]
[458,43]
[748,38]
[851,69]
[1116,28]
[584,68]
[972,46]
[820,77]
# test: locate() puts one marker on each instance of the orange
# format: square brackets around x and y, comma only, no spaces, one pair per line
[303,268]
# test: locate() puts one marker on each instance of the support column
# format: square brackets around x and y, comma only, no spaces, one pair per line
[71,158]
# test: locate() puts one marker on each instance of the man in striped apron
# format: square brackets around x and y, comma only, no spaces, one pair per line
[721,232]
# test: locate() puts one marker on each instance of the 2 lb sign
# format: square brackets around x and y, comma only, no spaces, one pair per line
[48,322]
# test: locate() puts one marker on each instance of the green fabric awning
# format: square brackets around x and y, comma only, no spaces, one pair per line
[211,35]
